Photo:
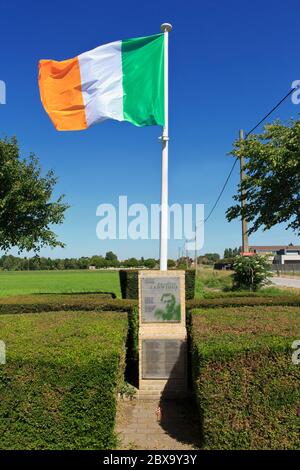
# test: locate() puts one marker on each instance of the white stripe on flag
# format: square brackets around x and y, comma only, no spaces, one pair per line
[101,82]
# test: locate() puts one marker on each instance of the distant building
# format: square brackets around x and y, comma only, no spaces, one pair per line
[279,254]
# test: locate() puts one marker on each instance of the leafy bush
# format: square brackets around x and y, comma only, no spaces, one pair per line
[58,388]
[251,272]
[246,386]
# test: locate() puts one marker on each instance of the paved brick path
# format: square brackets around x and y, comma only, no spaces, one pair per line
[139,428]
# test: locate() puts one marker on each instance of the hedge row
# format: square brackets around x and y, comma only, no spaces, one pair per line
[292,300]
[61,393]
[129,283]
[56,302]
[247,387]
[42,303]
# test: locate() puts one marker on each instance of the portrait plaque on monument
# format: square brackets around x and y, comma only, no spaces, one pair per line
[160,299]
[163,359]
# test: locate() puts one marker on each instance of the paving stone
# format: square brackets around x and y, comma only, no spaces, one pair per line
[139,428]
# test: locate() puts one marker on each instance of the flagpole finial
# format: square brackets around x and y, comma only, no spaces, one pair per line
[166,27]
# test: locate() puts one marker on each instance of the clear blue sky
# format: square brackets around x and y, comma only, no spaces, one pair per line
[229,64]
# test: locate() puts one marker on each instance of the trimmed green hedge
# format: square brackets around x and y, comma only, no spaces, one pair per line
[41,303]
[129,283]
[292,300]
[246,386]
[189,284]
[58,387]
[57,302]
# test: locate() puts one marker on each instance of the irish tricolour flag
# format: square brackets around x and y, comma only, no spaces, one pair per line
[122,80]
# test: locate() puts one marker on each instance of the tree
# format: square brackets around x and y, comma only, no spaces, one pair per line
[131,263]
[227,253]
[111,259]
[98,261]
[110,256]
[150,263]
[184,262]
[212,257]
[231,252]
[251,272]
[171,263]
[9,263]
[272,183]
[26,206]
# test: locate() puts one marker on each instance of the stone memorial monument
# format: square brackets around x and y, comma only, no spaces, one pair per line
[162,334]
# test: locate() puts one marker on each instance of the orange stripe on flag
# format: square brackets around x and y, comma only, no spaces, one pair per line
[61,95]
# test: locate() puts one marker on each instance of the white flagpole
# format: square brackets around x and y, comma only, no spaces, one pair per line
[165,28]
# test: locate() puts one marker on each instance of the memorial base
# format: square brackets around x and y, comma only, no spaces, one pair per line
[162,335]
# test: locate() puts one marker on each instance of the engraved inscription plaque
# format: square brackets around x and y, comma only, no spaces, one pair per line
[163,359]
[160,299]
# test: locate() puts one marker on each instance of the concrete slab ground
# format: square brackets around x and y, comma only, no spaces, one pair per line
[140,427]
[286,282]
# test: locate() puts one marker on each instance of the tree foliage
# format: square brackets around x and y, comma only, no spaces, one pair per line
[231,252]
[272,183]
[110,256]
[251,272]
[26,207]
[208,258]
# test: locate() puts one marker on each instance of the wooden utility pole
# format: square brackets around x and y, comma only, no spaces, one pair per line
[245,242]
[196,261]
[186,254]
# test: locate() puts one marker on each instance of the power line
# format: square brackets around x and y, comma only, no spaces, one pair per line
[270,112]
[234,163]
[247,134]
[222,190]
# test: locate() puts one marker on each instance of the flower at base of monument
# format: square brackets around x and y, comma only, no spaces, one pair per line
[158,413]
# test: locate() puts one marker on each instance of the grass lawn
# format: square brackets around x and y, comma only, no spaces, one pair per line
[209,283]
[212,280]
[246,385]
[212,283]
[32,282]
[58,386]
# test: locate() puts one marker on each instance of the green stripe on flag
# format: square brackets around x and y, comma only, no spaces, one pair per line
[143,80]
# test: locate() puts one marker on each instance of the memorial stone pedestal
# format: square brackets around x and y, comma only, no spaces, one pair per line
[162,335]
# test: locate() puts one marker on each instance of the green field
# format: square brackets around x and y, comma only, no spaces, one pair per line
[33,282]
[209,283]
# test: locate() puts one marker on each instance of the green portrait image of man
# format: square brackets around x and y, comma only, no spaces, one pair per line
[171,310]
